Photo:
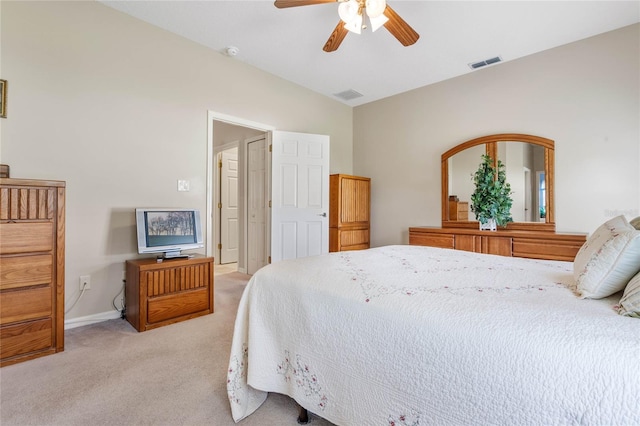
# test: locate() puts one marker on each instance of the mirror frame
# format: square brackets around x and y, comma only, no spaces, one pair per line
[491,148]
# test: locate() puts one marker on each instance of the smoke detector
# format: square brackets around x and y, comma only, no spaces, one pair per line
[231,51]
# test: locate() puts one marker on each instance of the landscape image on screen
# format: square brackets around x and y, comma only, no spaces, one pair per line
[170,228]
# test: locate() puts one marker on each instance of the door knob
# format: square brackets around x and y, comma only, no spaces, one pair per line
[323,214]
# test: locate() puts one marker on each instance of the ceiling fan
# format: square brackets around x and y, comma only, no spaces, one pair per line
[352,18]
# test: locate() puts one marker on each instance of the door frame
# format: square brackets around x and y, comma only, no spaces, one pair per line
[211,234]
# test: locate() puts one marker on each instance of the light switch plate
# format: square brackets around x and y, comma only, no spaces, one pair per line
[183,185]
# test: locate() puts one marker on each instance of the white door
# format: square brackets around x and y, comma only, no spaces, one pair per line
[229,237]
[257,204]
[299,195]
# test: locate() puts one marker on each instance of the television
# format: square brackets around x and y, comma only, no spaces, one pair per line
[168,231]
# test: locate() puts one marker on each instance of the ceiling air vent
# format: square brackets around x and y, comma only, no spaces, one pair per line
[480,64]
[347,95]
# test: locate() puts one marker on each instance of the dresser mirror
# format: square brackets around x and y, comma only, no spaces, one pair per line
[529,167]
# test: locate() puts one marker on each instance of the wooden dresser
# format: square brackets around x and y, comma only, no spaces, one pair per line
[532,244]
[162,293]
[528,237]
[32,245]
[349,205]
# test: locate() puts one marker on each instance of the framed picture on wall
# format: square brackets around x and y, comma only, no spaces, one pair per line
[3,98]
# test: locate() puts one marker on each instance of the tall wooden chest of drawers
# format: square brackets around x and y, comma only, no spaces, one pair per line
[349,205]
[32,228]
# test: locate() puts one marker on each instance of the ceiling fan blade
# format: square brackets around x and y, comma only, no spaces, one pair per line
[281,4]
[399,28]
[336,37]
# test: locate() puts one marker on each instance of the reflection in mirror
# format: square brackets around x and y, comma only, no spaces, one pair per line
[529,164]
[462,166]
[524,164]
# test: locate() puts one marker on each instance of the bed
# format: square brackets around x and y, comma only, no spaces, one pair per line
[409,335]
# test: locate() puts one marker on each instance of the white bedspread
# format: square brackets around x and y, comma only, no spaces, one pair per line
[408,335]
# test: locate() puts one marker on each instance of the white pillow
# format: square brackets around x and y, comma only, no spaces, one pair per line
[608,259]
[635,223]
[630,303]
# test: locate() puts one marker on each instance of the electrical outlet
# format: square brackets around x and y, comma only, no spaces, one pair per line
[85,282]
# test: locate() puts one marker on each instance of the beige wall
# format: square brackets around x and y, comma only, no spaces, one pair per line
[118,109]
[584,95]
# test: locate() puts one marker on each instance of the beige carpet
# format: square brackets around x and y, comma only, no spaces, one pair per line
[109,374]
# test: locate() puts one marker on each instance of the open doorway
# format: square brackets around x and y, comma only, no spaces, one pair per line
[257,202]
[241,208]
[227,229]
[294,205]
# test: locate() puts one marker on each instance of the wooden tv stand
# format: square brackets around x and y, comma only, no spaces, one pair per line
[159,293]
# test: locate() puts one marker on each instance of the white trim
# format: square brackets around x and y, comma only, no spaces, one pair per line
[90,319]
[209,186]
[211,116]
[237,121]
[270,191]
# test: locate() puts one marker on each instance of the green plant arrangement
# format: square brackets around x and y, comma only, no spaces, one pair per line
[543,213]
[491,200]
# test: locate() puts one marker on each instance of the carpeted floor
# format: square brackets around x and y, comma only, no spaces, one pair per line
[109,374]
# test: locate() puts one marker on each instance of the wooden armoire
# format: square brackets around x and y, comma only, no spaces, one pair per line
[349,206]
[32,245]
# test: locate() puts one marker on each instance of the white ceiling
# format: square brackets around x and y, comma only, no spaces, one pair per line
[288,42]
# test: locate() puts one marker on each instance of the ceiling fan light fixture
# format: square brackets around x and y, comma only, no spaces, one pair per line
[348,11]
[355,25]
[375,8]
[377,22]
[353,14]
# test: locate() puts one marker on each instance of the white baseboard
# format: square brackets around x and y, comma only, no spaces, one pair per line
[90,319]
[243,270]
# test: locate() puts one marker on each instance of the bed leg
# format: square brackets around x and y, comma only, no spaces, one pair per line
[303,416]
